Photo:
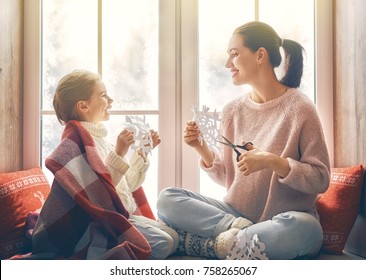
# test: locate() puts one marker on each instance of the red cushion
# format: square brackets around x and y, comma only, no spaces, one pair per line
[21,192]
[338,207]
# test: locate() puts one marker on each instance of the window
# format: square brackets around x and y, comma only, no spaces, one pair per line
[159,58]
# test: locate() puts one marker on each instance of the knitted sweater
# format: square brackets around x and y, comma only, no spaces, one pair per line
[126,176]
[288,126]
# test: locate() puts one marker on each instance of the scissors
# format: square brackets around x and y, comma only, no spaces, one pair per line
[247,146]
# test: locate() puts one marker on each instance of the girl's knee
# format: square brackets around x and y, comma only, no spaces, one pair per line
[172,239]
[164,248]
[172,245]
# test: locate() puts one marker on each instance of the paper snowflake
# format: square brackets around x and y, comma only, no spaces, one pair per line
[209,124]
[243,248]
[141,129]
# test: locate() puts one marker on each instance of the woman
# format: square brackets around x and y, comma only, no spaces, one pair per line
[271,190]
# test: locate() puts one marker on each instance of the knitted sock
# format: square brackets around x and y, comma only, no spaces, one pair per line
[195,246]
[224,242]
[241,223]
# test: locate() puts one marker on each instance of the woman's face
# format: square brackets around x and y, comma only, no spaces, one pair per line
[98,104]
[241,61]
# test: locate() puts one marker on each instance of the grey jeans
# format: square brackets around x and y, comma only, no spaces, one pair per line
[286,236]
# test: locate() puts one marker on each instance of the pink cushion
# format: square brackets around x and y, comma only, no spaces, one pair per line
[338,207]
[21,192]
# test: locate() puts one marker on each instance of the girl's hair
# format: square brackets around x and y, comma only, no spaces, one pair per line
[258,34]
[75,86]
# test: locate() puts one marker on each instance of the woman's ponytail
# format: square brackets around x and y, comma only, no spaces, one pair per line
[293,63]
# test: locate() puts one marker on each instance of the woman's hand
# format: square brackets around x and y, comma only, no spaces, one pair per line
[256,160]
[124,140]
[191,134]
[252,161]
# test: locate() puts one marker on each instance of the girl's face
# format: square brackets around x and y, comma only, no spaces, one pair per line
[98,105]
[242,61]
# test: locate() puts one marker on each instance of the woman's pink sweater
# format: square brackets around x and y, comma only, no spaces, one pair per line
[288,126]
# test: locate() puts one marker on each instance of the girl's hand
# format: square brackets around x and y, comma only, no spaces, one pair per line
[191,135]
[124,140]
[155,138]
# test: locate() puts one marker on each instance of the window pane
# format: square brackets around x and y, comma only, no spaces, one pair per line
[69,41]
[51,137]
[298,25]
[217,21]
[131,53]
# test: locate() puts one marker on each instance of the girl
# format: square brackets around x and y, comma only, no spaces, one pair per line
[82,104]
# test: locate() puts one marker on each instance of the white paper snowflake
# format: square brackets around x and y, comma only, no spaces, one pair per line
[141,129]
[243,248]
[209,124]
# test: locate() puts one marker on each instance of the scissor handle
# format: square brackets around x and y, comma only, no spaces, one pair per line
[248,146]
[238,154]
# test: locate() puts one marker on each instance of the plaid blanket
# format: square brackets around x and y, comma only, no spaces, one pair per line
[83,216]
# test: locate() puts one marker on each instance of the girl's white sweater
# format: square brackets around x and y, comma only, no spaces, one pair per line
[127,176]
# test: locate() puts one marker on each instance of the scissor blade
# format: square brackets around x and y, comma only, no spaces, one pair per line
[227,144]
[228,141]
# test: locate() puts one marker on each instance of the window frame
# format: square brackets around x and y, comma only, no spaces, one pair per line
[178,75]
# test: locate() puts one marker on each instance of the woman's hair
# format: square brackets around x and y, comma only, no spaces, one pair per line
[258,34]
[75,86]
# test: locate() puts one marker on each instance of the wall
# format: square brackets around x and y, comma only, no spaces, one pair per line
[350,101]
[350,82]
[11,81]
